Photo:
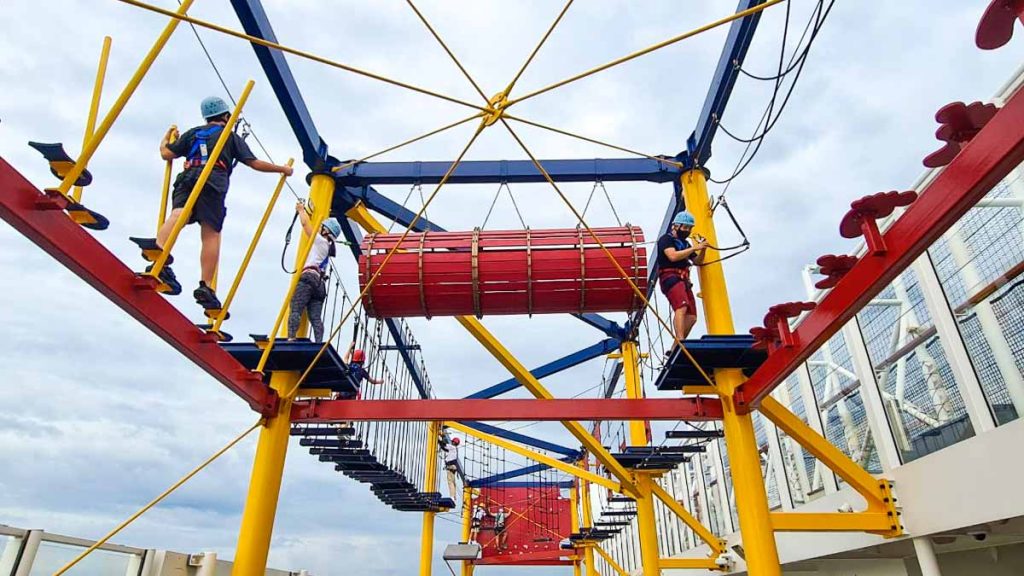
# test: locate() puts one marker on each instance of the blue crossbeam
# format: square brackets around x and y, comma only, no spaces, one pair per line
[603,324]
[511,171]
[494,484]
[346,197]
[603,347]
[522,438]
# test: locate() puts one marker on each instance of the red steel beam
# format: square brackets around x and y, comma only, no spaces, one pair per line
[982,164]
[25,208]
[693,409]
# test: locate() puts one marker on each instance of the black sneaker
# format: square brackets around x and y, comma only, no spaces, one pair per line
[167,277]
[206,297]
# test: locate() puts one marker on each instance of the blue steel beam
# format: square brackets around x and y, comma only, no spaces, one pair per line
[613,380]
[521,438]
[382,205]
[603,347]
[498,478]
[565,484]
[603,324]
[255,23]
[741,32]
[511,171]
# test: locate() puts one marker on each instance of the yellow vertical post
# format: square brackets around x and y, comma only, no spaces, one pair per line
[574,522]
[429,485]
[762,556]
[94,106]
[588,520]
[646,521]
[467,514]
[268,466]
[115,110]
[165,192]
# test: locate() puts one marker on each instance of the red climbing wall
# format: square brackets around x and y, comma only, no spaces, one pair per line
[538,520]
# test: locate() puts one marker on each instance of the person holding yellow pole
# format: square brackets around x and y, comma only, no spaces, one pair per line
[676,254]
[210,209]
[311,291]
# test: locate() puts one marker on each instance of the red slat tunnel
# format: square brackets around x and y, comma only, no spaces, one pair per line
[503,272]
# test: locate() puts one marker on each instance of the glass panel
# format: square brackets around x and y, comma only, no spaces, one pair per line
[923,404]
[837,391]
[979,265]
[10,547]
[767,472]
[802,470]
[52,556]
[729,496]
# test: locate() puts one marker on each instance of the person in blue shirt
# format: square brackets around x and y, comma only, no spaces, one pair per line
[676,254]
[356,360]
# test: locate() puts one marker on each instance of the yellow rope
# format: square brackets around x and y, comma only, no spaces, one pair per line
[537,49]
[351,163]
[446,49]
[663,160]
[296,52]
[647,50]
[387,258]
[611,258]
[156,500]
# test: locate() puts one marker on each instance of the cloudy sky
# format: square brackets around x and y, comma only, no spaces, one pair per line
[97,415]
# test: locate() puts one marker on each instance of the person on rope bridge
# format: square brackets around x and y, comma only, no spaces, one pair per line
[676,254]
[451,463]
[476,520]
[500,519]
[311,291]
[209,211]
[355,359]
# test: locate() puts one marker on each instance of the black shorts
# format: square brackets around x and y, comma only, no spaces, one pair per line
[209,208]
[451,467]
[475,525]
[499,529]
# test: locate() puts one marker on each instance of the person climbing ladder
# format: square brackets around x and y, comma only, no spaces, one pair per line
[675,256]
[209,211]
[451,463]
[311,291]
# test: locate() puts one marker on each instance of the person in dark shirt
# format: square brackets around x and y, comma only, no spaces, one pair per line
[676,254]
[196,145]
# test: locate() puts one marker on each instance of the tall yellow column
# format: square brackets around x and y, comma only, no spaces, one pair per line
[646,521]
[574,522]
[588,520]
[268,466]
[467,512]
[429,485]
[762,556]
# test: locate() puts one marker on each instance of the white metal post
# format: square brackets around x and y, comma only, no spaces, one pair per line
[722,494]
[926,556]
[885,444]
[813,415]
[28,552]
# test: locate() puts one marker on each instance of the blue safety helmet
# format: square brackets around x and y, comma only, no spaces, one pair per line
[333,227]
[213,106]
[684,218]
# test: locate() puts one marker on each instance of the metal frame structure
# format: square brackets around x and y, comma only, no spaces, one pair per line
[346,188]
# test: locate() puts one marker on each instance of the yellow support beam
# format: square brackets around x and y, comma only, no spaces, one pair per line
[611,561]
[859,479]
[647,527]
[690,563]
[634,389]
[523,375]
[699,529]
[94,106]
[762,555]
[833,522]
[537,456]
[429,485]
[265,483]
[467,510]
[360,215]
[697,389]
[588,520]
[574,522]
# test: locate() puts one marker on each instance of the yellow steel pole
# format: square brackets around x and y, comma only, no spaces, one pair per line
[265,483]
[646,520]
[115,110]
[429,485]
[467,512]
[762,556]
[94,106]
[165,192]
[588,520]
[574,522]
[268,467]
[252,248]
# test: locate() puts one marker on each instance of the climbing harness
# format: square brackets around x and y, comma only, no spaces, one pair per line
[199,153]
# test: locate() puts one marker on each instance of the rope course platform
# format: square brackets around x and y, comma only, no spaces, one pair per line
[370,412]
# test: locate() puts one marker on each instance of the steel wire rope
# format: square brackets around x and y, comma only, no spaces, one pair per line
[533,54]
[297,52]
[440,41]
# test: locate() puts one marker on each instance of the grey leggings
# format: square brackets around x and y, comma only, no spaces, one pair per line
[309,297]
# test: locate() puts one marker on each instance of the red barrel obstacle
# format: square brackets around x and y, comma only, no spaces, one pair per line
[503,272]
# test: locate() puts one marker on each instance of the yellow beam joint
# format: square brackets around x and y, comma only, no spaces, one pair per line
[429,485]
[537,456]
[611,561]
[834,522]
[859,479]
[265,483]
[314,393]
[523,375]
[702,532]
[697,390]
[689,563]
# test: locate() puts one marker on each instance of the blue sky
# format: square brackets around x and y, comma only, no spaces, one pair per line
[97,415]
